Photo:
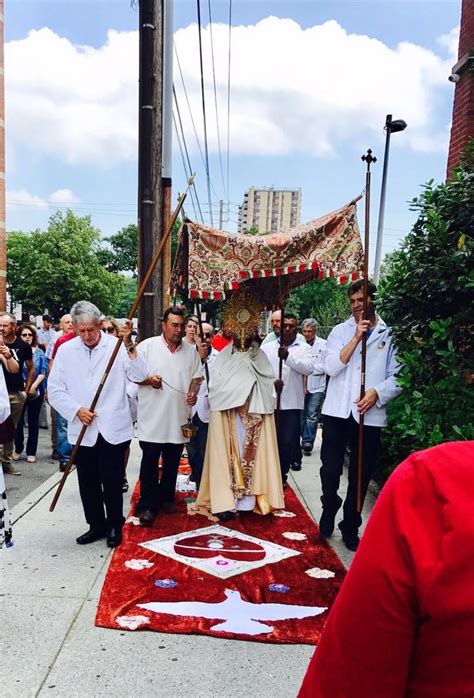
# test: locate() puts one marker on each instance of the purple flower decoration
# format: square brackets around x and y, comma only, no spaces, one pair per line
[165,583]
[280,588]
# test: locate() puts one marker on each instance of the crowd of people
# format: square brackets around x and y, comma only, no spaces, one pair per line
[246,414]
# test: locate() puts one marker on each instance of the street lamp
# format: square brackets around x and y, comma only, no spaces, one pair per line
[390,127]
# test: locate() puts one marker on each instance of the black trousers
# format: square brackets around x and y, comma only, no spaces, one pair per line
[100,473]
[197,450]
[337,435]
[288,426]
[154,492]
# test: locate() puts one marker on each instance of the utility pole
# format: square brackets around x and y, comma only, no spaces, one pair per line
[3,234]
[150,191]
[221,215]
[167,139]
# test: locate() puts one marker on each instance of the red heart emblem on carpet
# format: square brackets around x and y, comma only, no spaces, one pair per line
[211,545]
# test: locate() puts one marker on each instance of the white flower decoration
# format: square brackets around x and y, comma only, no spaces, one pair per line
[138,564]
[134,520]
[284,514]
[132,622]
[294,536]
[318,573]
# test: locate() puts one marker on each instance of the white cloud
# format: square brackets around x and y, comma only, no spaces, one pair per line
[293,90]
[23,198]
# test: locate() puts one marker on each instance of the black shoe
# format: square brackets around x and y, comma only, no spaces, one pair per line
[307,448]
[225,515]
[125,485]
[114,537]
[296,466]
[146,517]
[326,522]
[62,467]
[91,536]
[351,541]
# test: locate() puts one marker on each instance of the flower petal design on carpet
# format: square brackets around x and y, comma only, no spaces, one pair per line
[318,573]
[284,514]
[293,535]
[132,622]
[138,564]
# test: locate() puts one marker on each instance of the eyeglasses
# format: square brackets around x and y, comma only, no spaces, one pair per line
[26,334]
[108,330]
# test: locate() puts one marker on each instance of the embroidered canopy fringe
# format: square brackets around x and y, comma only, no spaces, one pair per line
[210,264]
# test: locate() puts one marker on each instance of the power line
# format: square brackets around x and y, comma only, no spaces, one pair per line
[206,149]
[228,96]
[226,194]
[186,150]
[186,173]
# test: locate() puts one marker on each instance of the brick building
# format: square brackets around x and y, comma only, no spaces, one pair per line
[462,129]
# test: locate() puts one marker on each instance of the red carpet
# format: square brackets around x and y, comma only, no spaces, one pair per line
[277,602]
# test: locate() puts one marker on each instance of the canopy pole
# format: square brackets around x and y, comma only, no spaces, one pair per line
[116,350]
[369,159]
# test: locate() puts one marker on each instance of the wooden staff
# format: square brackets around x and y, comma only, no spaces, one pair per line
[116,350]
[369,159]
[201,332]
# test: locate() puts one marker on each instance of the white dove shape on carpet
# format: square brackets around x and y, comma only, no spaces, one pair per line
[240,617]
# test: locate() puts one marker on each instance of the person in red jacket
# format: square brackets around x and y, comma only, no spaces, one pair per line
[403,622]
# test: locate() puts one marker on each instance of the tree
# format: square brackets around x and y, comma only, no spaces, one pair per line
[121,254]
[324,300]
[426,296]
[127,296]
[121,251]
[55,268]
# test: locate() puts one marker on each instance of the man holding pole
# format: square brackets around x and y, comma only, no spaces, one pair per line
[78,369]
[343,406]
[165,401]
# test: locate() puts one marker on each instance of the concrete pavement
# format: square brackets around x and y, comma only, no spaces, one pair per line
[49,589]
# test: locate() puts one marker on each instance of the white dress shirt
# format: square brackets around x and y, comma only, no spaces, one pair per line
[73,382]
[344,385]
[162,412]
[202,405]
[316,382]
[299,363]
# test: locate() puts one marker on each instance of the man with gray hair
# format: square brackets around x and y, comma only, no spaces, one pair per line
[315,386]
[77,371]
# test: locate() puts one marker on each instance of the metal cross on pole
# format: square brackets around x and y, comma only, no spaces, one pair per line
[369,159]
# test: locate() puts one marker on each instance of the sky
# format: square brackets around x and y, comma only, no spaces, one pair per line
[311,84]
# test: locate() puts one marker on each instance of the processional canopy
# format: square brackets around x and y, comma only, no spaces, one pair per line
[211,264]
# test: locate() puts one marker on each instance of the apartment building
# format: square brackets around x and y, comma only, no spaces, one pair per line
[269,210]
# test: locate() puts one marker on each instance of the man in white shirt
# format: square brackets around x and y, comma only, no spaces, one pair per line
[197,446]
[342,407]
[78,368]
[275,322]
[315,387]
[165,401]
[297,363]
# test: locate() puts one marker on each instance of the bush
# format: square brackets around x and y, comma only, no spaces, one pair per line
[426,296]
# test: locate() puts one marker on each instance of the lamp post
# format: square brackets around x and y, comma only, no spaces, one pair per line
[390,127]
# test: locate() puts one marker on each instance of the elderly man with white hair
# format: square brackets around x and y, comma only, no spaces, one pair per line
[77,371]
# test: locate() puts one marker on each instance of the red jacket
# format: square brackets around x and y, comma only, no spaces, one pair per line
[403,622]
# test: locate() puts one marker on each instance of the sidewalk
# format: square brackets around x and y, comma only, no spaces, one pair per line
[49,589]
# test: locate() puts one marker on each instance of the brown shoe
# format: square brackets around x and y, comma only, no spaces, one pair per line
[9,469]
[146,517]
[169,507]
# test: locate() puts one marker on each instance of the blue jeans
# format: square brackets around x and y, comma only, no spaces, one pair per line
[313,403]
[64,447]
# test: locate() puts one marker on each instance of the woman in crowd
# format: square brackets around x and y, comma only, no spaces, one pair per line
[110,325]
[191,329]
[403,622]
[35,397]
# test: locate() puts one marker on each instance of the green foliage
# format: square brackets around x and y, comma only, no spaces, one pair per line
[426,296]
[325,301]
[122,251]
[56,267]
[126,298]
